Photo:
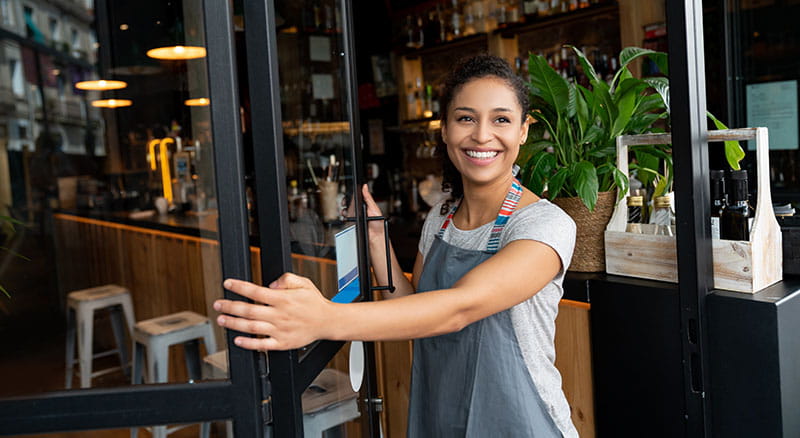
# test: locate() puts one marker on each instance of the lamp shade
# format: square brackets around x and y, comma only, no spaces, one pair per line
[100,85]
[177,52]
[111,103]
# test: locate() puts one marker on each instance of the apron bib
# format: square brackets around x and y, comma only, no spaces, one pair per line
[474,382]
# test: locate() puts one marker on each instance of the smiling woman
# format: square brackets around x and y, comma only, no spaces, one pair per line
[482,320]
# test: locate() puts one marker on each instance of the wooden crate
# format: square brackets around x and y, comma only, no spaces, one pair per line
[743,266]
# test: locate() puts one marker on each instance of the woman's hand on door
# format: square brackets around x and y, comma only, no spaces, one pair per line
[295,313]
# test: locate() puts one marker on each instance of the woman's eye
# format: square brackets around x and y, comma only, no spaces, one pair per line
[464,119]
[503,120]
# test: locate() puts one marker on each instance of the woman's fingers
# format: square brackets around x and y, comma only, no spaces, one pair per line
[258,344]
[253,291]
[372,207]
[251,326]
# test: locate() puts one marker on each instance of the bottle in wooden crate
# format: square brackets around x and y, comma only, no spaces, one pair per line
[718,200]
[635,204]
[737,217]
[662,216]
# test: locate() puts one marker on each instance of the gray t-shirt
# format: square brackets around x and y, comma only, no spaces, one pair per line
[533,319]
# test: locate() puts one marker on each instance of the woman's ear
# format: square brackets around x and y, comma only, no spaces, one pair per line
[523,130]
[443,131]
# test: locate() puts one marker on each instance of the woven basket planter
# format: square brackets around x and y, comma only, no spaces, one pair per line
[590,254]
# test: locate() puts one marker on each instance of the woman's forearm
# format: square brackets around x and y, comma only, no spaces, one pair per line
[409,317]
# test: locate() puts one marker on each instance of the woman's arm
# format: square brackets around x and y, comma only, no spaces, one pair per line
[298,314]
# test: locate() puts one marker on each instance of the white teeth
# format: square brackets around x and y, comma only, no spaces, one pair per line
[481,155]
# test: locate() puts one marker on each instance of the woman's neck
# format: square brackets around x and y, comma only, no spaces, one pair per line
[481,203]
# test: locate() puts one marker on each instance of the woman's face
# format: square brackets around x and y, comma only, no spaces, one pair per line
[484,130]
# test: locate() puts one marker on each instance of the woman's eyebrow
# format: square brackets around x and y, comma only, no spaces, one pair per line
[472,110]
[502,109]
[465,108]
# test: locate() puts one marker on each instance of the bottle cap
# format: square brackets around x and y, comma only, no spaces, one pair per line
[661,202]
[739,175]
[717,174]
[635,201]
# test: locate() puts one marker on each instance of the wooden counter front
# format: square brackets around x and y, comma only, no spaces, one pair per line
[169,272]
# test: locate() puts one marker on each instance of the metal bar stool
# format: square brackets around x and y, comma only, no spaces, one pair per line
[81,307]
[155,336]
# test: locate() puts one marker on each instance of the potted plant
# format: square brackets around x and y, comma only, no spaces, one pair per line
[570,155]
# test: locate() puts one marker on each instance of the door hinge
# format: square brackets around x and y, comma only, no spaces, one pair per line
[375,404]
[266,390]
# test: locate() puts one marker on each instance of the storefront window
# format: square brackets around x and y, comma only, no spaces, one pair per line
[108,216]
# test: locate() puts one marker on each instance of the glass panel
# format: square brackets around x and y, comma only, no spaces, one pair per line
[320,182]
[108,191]
[318,149]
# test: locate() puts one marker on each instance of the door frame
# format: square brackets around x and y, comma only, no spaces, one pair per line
[239,398]
[291,372]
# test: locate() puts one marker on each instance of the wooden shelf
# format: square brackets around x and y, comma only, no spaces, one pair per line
[553,20]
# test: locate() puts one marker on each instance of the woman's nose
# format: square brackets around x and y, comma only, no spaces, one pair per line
[482,133]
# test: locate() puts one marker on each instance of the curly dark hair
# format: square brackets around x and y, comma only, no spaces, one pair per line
[466,70]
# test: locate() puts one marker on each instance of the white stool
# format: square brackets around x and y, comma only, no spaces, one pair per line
[328,402]
[156,336]
[81,306]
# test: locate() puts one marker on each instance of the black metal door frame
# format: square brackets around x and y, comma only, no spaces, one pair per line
[238,398]
[289,372]
[692,192]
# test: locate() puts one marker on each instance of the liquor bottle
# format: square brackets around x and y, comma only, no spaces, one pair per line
[718,200]
[530,7]
[512,11]
[481,20]
[635,204]
[455,22]
[420,31]
[662,216]
[737,217]
[544,8]
[573,5]
[409,28]
[583,4]
[469,20]
[433,29]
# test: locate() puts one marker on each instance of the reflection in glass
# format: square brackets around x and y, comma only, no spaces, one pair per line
[107,198]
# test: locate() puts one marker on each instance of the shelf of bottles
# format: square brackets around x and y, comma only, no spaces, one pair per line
[452,21]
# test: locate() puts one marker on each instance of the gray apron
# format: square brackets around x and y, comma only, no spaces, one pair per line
[474,382]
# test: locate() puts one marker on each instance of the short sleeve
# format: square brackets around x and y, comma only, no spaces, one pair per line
[543,222]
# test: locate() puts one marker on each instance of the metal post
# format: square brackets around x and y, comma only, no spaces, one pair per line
[271,201]
[690,155]
[233,234]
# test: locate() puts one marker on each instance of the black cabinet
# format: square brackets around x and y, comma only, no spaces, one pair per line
[754,345]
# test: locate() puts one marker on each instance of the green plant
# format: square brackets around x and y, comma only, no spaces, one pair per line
[571,150]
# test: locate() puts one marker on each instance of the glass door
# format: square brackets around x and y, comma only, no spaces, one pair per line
[123,207]
[302,114]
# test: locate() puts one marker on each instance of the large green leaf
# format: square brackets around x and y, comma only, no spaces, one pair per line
[625,106]
[661,85]
[629,85]
[646,160]
[651,102]
[582,113]
[550,86]
[538,171]
[628,54]
[621,181]
[584,178]
[557,182]
[592,135]
[588,69]
[641,123]
[733,150]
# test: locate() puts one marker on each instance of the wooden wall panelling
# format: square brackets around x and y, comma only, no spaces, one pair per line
[504,47]
[574,362]
[633,16]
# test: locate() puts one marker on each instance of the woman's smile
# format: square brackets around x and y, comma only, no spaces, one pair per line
[481,157]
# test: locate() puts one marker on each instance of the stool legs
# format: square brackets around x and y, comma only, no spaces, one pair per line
[70,359]
[85,332]
[118,327]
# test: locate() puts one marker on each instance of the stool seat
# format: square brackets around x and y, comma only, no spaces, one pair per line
[153,337]
[172,323]
[81,308]
[97,293]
